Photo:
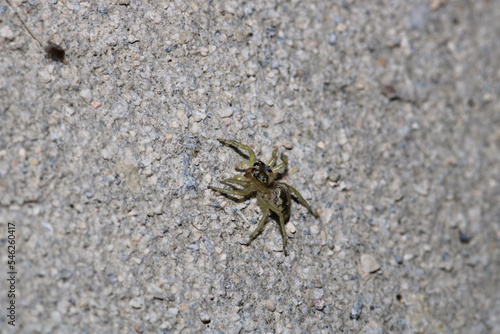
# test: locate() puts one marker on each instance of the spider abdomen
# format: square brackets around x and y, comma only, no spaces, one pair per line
[280,196]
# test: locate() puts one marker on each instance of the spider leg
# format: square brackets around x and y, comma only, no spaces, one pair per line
[302,200]
[265,213]
[251,153]
[283,165]
[243,165]
[283,232]
[282,223]
[239,192]
[234,180]
[273,160]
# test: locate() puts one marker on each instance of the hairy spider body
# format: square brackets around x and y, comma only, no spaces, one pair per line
[260,178]
[281,196]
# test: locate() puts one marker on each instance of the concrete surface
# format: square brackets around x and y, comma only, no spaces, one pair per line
[388,111]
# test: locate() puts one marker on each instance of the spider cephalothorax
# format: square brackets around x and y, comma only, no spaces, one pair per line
[261,173]
[272,196]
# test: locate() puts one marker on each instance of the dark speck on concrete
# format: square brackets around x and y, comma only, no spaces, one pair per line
[464,237]
[332,40]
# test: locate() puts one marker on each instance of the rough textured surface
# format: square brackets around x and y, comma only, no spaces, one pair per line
[388,110]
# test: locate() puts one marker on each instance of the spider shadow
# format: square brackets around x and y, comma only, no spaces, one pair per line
[237,199]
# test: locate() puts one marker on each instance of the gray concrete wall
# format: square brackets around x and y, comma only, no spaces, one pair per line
[388,111]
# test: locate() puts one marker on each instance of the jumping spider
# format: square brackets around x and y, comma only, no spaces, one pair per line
[272,196]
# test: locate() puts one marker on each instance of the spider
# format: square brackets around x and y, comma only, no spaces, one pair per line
[272,196]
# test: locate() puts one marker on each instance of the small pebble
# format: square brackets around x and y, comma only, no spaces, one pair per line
[198,116]
[317,284]
[44,76]
[280,116]
[318,293]
[332,40]
[341,27]
[138,328]
[369,264]
[68,111]
[7,33]
[225,112]
[356,310]
[319,304]
[136,302]
[288,145]
[342,137]
[427,248]
[314,229]
[389,91]
[290,228]
[435,4]
[203,51]
[269,101]
[183,118]
[408,257]
[133,39]
[107,154]
[270,306]
[154,17]
[86,94]
[66,274]
[248,10]
[422,189]
[204,317]
[96,104]
[112,278]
